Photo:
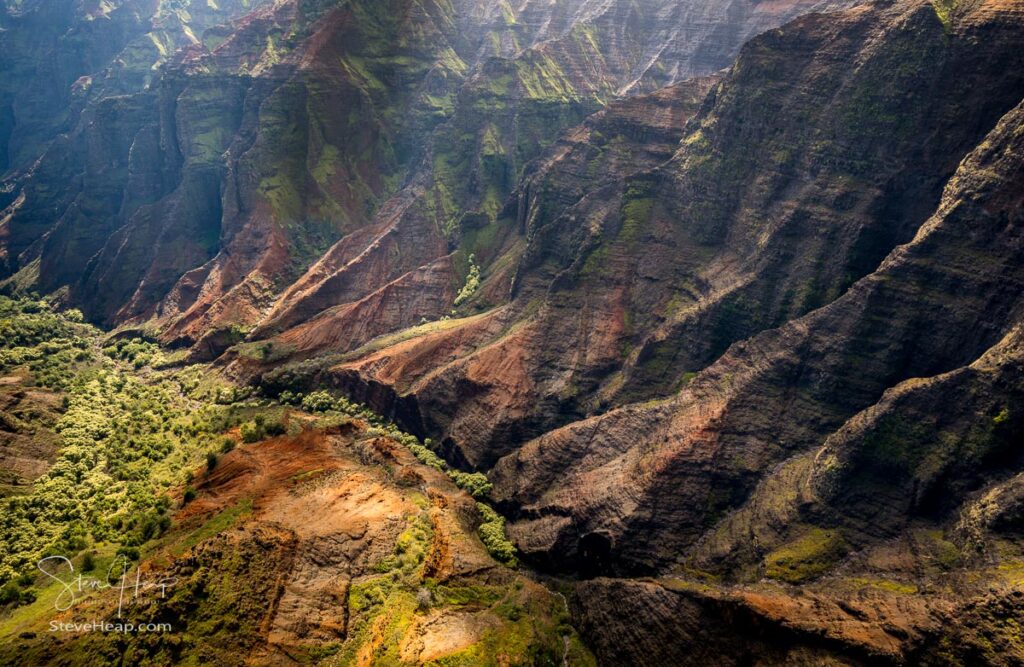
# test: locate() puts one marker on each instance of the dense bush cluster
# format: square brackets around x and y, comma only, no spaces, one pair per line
[473,483]
[110,480]
[43,341]
[322,401]
[427,457]
[17,592]
[472,283]
[135,351]
[260,429]
[295,377]
[492,534]
[25,323]
[124,441]
[231,395]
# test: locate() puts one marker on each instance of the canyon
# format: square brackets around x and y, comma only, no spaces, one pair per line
[723,300]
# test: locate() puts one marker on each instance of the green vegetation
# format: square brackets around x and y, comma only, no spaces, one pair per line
[125,439]
[132,432]
[939,552]
[944,10]
[492,533]
[261,429]
[888,585]
[541,78]
[807,557]
[475,484]
[137,352]
[42,342]
[637,205]
[472,283]
[427,457]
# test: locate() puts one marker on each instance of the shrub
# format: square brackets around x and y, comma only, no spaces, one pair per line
[318,401]
[227,445]
[148,529]
[472,283]
[188,496]
[129,552]
[9,593]
[475,484]
[276,428]
[427,457]
[492,534]
[211,461]
[250,432]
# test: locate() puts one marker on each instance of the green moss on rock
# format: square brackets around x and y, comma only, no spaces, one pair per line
[808,557]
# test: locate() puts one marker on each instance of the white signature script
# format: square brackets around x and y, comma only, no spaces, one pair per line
[117,578]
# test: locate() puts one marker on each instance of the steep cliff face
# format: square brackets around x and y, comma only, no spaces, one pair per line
[399,129]
[820,450]
[500,375]
[807,377]
[80,144]
[215,154]
[796,180]
[530,73]
[57,56]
